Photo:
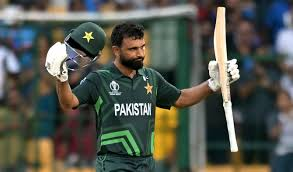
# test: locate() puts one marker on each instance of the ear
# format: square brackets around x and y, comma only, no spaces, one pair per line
[116,51]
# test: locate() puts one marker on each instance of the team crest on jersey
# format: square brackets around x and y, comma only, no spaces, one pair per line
[149,88]
[114,86]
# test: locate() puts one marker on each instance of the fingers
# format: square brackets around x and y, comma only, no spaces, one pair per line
[233,61]
[62,48]
[63,76]
[64,69]
[55,59]
[232,65]
[213,65]
[235,76]
[233,70]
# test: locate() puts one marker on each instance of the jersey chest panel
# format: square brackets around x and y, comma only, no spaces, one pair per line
[127,102]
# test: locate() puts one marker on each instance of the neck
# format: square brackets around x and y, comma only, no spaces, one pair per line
[125,70]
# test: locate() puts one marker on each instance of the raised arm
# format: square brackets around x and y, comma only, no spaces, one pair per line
[66,98]
[56,66]
[193,95]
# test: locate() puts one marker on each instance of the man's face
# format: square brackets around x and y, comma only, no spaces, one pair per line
[132,53]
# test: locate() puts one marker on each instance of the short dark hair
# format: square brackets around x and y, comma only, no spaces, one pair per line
[126,30]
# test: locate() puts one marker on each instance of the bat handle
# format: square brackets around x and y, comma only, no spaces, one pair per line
[230,125]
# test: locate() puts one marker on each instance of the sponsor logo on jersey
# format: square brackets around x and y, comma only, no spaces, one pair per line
[114,86]
[133,109]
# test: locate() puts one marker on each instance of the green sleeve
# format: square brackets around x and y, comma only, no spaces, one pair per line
[167,94]
[87,91]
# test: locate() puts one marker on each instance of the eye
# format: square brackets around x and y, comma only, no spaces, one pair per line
[132,49]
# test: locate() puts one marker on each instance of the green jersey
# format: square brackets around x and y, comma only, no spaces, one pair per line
[126,108]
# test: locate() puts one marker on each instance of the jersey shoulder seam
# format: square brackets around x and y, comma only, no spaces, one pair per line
[147,70]
[150,69]
[102,71]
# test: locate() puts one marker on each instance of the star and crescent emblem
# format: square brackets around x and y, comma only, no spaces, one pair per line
[149,88]
[88,36]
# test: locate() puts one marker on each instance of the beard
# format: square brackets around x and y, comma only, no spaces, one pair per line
[134,64]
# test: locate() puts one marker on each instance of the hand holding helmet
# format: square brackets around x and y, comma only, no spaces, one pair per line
[55,62]
[84,45]
[81,48]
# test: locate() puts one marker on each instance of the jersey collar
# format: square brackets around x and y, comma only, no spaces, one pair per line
[117,74]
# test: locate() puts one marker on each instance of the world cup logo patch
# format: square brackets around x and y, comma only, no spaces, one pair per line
[114,86]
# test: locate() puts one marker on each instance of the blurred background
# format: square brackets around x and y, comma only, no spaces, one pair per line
[36,135]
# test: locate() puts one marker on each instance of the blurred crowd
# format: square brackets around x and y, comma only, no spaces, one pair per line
[259,36]
[86,5]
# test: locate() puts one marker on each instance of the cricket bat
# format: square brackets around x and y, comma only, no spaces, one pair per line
[221,57]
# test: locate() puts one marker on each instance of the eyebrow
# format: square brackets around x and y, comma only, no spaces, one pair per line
[136,47]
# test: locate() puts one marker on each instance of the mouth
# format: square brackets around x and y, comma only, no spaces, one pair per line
[139,59]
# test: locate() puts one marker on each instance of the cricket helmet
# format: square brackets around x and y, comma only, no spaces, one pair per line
[84,45]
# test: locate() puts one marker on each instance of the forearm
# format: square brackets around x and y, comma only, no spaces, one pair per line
[193,95]
[66,98]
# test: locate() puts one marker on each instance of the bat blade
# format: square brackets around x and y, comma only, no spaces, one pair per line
[221,52]
[221,57]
